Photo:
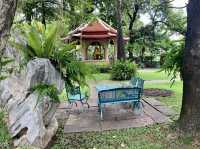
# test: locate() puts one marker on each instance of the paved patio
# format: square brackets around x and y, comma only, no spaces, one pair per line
[82,119]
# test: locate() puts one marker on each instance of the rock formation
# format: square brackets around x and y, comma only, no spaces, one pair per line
[30,123]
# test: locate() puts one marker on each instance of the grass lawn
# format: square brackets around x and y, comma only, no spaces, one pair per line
[173,101]
[152,74]
[153,137]
[146,74]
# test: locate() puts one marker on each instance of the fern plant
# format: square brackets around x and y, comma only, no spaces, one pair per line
[4,71]
[38,40]
[45,90]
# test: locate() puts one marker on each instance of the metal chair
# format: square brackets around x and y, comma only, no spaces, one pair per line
[75,95]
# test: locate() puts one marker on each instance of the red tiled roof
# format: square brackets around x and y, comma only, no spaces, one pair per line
[96,29]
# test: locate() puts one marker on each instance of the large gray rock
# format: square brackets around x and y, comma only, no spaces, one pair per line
[42,71]
[31,123]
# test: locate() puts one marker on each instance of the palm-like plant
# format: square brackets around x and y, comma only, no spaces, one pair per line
[39,42]
[45,43]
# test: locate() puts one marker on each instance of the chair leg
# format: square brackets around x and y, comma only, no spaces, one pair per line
[101,114]
[85,103]
[76,104]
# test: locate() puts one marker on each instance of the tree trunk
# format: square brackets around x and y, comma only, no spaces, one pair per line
[130,28]
[7,12]
[43,14]
[120,40]
[190,112]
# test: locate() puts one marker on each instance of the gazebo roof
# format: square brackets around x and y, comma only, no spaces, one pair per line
[94,30]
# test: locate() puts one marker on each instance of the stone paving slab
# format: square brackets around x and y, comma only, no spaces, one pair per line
[90,121]
[87,121]
[155,114]
[128,123]
[166,111]
[160,106]
[153,102]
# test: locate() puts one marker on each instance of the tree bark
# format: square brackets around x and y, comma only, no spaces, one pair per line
[43,14]
[190,112]
[120,40]
[130,28]
[7,13]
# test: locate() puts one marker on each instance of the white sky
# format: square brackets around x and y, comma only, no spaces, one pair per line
[179,3]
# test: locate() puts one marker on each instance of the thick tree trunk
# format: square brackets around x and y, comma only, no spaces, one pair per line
[120,40]
[130,28]
[190,112]
[43,14]
[7,12]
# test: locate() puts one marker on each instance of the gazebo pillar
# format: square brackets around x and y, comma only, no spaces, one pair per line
[115,50]
[84,50]
[106,52]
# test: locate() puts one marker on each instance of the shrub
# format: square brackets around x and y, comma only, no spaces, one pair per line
[123,70]
[101,67]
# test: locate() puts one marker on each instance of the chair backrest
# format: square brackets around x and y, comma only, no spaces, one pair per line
[137,82]
[74,91]
[119,94]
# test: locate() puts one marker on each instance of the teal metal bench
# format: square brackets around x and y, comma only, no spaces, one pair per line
[118,95]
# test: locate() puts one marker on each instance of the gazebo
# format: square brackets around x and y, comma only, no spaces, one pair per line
[97,33]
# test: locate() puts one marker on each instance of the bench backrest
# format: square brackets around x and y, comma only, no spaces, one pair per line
[119,94]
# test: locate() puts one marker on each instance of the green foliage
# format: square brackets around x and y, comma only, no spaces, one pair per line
[46,43]
[46,90]
[100,67]
[4,71]
[123,70]
[39,9]
[5,138]
[173,61]
[38,41]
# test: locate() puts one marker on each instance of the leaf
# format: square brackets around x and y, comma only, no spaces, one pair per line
[50,37]
[35,42]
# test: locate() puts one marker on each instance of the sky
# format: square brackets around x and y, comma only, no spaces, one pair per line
[179,3]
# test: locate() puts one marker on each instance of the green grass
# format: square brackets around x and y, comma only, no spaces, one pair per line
[155,137]
[153,74]
[150,74]
[173,101]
